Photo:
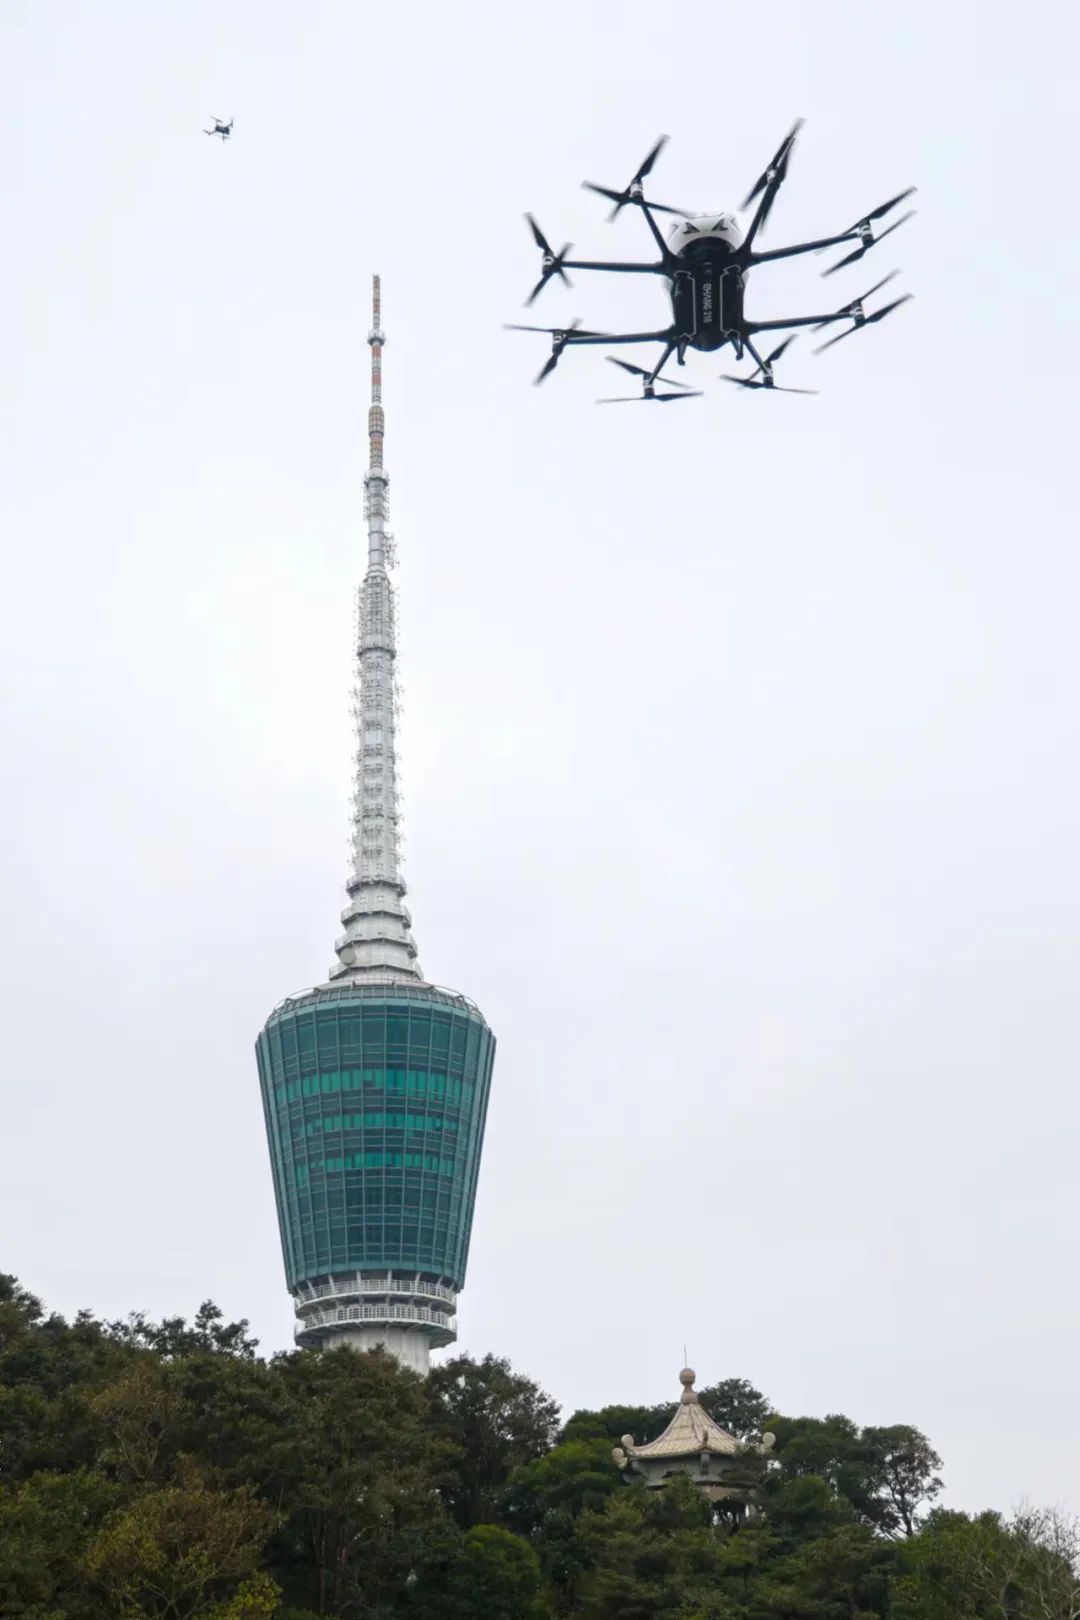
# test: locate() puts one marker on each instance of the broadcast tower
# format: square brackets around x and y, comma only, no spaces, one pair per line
[375,1085]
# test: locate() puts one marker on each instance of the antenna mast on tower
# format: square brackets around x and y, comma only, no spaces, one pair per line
[377,943]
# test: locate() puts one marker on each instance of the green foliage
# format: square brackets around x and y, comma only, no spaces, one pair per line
[982,1568]
[902,1469]
[19,1312]
[495,1420]
[959,1569]
[497,1575]
[651,1553]
[612,1422]
[185,1552]
[162,1471]
[47,1524]
[209,1332]
[885,1476]
[545,1499]
[360,1465]
[738,1407]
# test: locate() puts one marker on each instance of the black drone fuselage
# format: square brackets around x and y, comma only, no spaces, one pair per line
[707,292]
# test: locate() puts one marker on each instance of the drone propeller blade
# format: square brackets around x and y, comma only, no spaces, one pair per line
[864,247]
[560,336]
[605,191]
[538,237]
[553,262]
[573,330]
[626,365]
[639,371]
[659,208]
[769,388]
[840,336]
[555,269]
[892,275]
[767,364]
[772,177]
[647,399]
[778,167]
[780,349]
[883,209]
[622,198]
[856,304]
[646,167]
[878,315]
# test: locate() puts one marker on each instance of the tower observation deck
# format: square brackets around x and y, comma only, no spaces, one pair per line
[375,1085]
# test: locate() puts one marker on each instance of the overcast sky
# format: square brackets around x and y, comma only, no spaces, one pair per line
[739,746]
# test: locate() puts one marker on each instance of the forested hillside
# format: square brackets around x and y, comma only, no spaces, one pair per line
[164,1470]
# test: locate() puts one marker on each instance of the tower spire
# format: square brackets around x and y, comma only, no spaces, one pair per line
[377,943]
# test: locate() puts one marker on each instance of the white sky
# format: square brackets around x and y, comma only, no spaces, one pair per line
[739,745]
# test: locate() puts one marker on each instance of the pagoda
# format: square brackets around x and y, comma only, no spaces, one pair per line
[695,1446]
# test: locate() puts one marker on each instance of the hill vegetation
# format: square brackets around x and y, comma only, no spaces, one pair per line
[163,1470]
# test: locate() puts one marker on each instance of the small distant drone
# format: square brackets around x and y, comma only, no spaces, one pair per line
[705,262]
[220,127]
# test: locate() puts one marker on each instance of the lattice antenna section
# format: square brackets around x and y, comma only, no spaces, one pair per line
[377,942]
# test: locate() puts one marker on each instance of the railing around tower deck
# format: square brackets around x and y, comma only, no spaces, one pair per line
[384,989]
[440,1327]
[369,1287]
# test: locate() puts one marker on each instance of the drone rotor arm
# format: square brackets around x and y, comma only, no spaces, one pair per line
[801,247]
[667,336]
[797,320]
[617,266]
[654,229]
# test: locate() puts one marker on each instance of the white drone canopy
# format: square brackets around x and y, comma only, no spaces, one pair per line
[703,227]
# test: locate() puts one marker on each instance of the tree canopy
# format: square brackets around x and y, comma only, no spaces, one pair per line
[165,1471]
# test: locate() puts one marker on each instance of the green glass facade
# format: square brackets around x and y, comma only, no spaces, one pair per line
[375,1099]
